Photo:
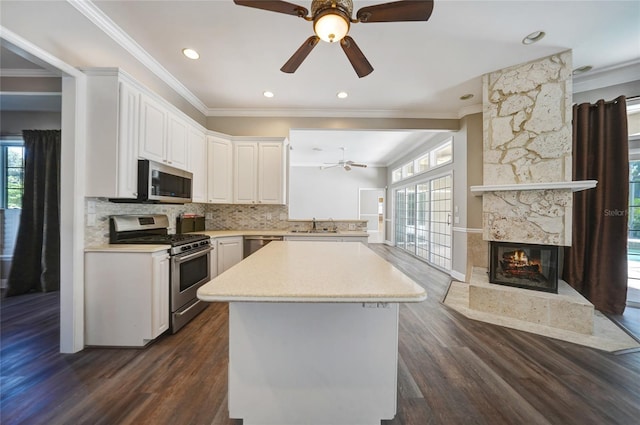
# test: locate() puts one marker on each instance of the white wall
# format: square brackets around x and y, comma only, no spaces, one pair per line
[331,193]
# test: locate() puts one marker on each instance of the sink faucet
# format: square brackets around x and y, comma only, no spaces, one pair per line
[313,227]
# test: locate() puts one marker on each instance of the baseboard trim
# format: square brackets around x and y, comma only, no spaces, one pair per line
[458,276]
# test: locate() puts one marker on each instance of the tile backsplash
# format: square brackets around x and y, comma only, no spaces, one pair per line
[217,217]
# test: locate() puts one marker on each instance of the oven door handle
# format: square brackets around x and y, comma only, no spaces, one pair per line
[189,256]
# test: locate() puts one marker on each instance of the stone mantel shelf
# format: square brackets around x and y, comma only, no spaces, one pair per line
[575,186]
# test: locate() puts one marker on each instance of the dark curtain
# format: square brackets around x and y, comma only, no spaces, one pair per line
[36,258]
[596,263]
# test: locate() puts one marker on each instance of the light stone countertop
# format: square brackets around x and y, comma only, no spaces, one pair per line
[306,271]
[127,248]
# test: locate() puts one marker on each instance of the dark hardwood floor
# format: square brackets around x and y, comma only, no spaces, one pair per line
[452,370]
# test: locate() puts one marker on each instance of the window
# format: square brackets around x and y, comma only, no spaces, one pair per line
[423,220]
[440,155]
[12,156]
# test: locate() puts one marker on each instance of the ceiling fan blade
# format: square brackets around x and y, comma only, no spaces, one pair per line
[355,164]
[300,55]
[397,11]
[275,6]
[360,64]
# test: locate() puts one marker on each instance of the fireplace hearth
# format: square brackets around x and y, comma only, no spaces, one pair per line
[524,265]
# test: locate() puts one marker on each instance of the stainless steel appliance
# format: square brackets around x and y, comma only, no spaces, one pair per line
[190,260]
[163,184]
[254,243]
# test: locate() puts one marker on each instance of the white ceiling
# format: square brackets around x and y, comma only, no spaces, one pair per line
[420,68]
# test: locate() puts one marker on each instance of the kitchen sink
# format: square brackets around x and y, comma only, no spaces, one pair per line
[300,231]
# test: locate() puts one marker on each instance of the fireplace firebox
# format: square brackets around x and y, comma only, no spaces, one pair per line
[524,266]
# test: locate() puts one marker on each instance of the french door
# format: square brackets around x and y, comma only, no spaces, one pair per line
[423,220]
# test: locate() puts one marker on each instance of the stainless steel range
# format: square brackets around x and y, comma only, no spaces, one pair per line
[190,260]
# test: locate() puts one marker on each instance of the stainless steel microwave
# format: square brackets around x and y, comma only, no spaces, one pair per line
[163,184]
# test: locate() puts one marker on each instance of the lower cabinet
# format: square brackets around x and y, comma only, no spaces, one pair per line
[230,252]
[126,297]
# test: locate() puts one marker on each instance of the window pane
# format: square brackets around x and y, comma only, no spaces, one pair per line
[444,154]
[422,163]
[407,170]
[15,156]
[397,175]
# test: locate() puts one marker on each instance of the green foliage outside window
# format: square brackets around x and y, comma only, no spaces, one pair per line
[14,176]
[634,200]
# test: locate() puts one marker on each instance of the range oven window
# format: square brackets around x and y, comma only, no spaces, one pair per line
[193,272]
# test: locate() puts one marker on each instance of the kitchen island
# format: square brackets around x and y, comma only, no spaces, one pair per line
[313,333]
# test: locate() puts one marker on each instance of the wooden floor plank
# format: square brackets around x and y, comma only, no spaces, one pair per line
[452,370]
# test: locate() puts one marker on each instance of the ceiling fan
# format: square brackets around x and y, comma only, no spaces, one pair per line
[342,163]
[331,22]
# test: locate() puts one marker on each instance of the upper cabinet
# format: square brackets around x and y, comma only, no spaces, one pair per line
[259,172]
[220,170]
[163,135]
[112,134]
[197,146]
[126,121]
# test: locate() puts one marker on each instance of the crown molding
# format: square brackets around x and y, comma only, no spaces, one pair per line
[28,73]
[608,76]
[102,21]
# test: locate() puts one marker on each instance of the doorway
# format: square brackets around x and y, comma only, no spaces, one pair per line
[371,207]
[72,179]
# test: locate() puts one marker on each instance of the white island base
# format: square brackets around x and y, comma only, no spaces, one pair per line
[312,363]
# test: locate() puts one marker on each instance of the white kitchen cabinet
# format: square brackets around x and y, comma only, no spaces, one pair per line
[126,297]
[197,144]
[177,142]
[230,252]
[220,170]
[245,173]
[112,134]
[271,173]
[153,129]
[259,172]
[163,134]
[213,259]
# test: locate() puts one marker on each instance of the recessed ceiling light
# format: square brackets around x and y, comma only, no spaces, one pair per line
[534,37]
[268,94]
[582,69]
[466,96]
[190,53]
[342,95]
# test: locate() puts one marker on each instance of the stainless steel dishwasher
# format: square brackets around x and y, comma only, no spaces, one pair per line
[254,243]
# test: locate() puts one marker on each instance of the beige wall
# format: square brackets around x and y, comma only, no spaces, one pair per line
[280,126]
[474,169]
[13,122]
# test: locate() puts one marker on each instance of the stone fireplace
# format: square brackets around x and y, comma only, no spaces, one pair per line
[527,197]
[522,265]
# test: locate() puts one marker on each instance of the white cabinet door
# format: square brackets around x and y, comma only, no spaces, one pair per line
[198,164]
[245,176]
[153,129]
[160,288]
[127,166]
[126,297]
[213,259]
[271,188]
[177,136]
[220,170]
[230,251]
[112,136]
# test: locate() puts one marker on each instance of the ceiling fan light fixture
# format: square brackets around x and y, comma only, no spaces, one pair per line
[330,25]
